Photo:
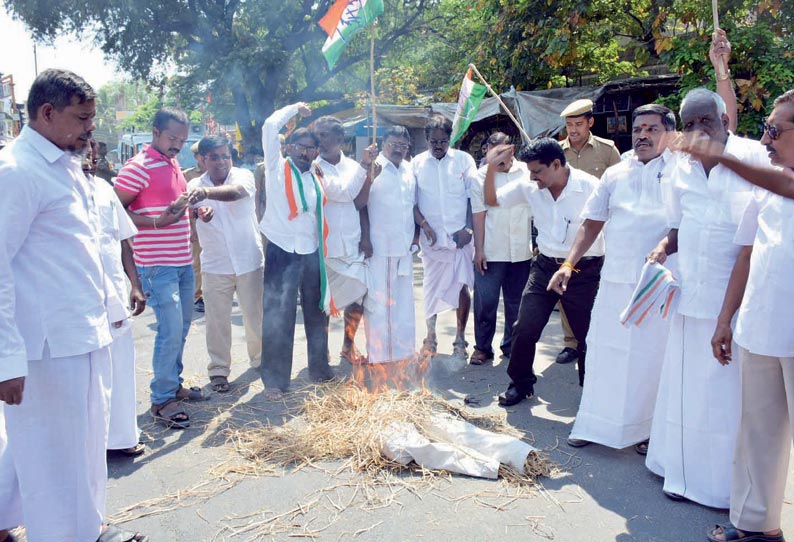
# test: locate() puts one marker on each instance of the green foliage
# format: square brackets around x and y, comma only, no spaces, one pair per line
[250,55]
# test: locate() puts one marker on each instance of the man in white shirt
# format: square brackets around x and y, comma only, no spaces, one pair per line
[502,255]
[54,334]
[623,363]
[389,305]
[443,181]
[347,186]
[231,256]
[706,203]
[557,195]
[121,304]
[295,259]
[762,295]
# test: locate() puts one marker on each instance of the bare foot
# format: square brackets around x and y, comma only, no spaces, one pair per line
[274,394]
[352,354]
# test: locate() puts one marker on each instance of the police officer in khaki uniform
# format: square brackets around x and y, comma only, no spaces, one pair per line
[594,155]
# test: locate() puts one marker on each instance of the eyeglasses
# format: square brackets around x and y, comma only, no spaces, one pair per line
[398,146]
[439,142]
[304,148]
[773,131]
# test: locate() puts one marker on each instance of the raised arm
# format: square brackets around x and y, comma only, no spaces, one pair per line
[720,56]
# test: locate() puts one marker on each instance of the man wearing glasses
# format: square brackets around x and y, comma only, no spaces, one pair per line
[295,259]
[697,410]
[444,178]
[231,256]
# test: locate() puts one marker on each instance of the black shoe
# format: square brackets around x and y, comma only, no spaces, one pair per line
[199,305]
[673,496]
[567,355]
[512,396]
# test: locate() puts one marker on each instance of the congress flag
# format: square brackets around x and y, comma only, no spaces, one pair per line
[471,95]
[344,20]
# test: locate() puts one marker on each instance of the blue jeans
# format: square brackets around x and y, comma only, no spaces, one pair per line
[169,292]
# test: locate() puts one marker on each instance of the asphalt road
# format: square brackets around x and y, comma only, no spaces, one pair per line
[193,494]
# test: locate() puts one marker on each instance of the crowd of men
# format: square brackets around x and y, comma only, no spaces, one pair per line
[313,226]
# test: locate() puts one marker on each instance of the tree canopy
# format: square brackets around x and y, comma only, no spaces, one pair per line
[251,57]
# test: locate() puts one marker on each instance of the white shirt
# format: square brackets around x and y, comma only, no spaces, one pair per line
[342,183]
[230,242]
[764,325]
[300,234]
[391,209]
[116,227]
[51,276]
[508,228]
[706,211]
[629,199]
[442,189]
[557,220]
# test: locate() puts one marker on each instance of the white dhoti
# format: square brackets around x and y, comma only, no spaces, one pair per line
[446,271]
[623,369]
[389,321]
[696,417]
[57,439]
[10,499]
[123,431]
[347,280]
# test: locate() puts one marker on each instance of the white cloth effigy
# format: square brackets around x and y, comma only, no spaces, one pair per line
[655,295]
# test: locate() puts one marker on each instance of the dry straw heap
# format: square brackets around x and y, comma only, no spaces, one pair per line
[345,422]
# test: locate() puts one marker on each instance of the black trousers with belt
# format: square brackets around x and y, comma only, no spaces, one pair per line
[535,310]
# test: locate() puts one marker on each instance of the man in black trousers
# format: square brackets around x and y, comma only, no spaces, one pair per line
[557,194]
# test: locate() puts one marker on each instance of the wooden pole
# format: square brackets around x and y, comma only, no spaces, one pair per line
[372,100]
[524,135]
[722,72]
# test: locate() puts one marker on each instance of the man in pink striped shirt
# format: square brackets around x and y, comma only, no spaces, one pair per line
[152,188]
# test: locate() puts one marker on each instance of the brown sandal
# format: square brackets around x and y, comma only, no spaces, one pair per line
[171,414]
[194,393]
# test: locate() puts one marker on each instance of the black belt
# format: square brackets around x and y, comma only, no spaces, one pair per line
[560,261]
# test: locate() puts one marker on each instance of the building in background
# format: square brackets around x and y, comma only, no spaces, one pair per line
[11,113]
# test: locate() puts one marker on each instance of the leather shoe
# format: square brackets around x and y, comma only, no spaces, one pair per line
[512,396]
[567,355]
[577,442]
[673,496]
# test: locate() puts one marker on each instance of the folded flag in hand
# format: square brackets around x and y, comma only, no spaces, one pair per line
[655,295]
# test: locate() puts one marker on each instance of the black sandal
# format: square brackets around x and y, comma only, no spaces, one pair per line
[731,534]
[171,414]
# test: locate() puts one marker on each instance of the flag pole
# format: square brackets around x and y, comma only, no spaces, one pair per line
[721,71]
[524,135]
[372,91]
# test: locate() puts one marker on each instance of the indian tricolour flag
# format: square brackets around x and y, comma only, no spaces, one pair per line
[343,21]
[471,95]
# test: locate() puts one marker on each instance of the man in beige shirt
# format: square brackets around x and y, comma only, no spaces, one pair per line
[588,153]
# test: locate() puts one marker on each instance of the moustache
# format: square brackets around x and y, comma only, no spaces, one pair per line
[642,142]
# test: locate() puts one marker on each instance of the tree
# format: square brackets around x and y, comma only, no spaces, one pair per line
[544,43]
[260,53]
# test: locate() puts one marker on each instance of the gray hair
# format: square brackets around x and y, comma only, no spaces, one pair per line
[705,94]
